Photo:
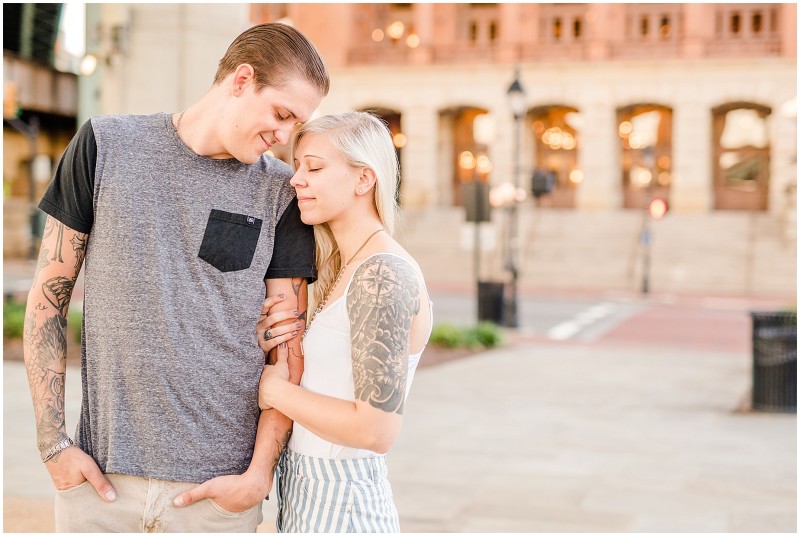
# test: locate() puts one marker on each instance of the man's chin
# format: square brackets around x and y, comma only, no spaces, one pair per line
[247,159]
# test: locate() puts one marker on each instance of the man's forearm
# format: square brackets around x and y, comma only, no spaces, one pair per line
[45,334]
[274,428]
[45,352]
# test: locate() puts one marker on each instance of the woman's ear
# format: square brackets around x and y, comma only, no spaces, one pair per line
[366,181]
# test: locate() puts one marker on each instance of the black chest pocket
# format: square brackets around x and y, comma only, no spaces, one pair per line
[230,240]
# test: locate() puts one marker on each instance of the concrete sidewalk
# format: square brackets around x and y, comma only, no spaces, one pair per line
[542,438]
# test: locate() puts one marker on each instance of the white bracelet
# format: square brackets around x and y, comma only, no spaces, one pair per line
[55,449]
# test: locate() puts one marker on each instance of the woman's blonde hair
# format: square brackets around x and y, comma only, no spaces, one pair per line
[365,141]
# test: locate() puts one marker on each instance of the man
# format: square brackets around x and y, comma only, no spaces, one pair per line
[182,221]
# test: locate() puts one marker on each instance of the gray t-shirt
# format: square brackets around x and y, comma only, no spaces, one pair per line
[179,247]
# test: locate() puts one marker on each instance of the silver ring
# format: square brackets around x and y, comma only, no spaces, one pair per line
[268,335]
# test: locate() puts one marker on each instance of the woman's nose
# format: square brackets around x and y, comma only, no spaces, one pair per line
[297,179]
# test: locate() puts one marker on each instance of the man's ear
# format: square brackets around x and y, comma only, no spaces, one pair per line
[243,74]
[366,181]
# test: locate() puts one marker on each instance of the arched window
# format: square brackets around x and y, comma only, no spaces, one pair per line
[645,133]
[741,156]
[467,157]
[556,131]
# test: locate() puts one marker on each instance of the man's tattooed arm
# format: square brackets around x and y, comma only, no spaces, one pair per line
[274,428]
[45,342]
[382,300]
[300,288]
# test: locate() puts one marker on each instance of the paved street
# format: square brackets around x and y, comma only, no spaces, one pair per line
[605,413]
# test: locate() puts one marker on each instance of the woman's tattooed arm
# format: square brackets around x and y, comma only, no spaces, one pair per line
[381,302]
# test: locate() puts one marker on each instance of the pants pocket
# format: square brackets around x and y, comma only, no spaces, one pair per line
[76,509]
[63,492]
[230,240]
[227,513]
[327,512]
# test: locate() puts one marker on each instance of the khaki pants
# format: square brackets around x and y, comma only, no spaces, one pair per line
[145,505]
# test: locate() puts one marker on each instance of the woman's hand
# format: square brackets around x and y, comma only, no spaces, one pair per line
[272,376]
[268,334]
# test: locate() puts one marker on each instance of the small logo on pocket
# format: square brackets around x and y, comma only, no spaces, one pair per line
[251,220]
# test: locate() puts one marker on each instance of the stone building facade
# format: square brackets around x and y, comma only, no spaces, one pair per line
[693,103]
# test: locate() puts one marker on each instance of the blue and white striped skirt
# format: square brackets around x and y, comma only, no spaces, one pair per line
[323,495]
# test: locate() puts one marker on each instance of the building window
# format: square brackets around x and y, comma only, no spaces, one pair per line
[745,30]
[468,159]
[651,30]
[736,20]
[664,29]
[556,131]
[756,23]
[556,29]
[563,25]
[741,156]
[393,118]
[493,31]
[477,24]
[645,133]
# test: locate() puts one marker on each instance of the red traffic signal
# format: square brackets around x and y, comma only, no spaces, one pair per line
[657,208]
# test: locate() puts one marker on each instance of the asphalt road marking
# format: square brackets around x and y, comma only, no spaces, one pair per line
[587,317]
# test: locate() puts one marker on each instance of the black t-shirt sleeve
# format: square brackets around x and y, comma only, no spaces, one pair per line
[69,198]
[293,254]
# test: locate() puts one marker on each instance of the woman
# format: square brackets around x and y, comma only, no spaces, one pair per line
[362,345]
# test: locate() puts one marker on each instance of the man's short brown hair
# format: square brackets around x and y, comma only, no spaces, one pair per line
[277,52]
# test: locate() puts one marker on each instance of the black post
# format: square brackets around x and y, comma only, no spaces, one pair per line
[477,253]
[647,233]
[646,240]
[510,301]
[516,95]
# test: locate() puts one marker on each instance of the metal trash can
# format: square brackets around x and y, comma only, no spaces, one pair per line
[774,361]
[490,301]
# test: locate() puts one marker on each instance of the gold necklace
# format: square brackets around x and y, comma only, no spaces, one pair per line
[178,123]
[336,282]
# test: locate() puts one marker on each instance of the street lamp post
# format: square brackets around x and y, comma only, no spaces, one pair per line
[517,103]
[647,234]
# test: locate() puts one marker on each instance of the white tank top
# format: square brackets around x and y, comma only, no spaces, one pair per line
[329,371]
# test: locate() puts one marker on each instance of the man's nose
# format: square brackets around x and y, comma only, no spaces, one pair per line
[282,135]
